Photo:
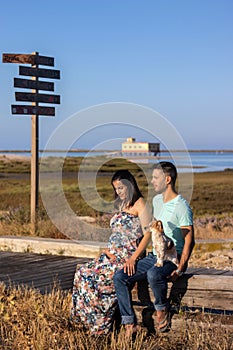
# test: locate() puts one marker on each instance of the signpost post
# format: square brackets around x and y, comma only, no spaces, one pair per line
[34,109]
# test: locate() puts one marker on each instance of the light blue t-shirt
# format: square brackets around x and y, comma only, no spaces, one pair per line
[173,214]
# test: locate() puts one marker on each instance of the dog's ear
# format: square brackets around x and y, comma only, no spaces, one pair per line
[153,224]
[170,243]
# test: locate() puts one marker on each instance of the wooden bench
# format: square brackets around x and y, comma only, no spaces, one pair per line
[198,291]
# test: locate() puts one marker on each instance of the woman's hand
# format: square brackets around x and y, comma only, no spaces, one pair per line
[109,255]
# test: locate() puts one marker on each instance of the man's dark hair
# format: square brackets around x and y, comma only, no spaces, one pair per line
[169,169]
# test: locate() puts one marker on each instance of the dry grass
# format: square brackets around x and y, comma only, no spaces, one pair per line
[31,321]
[212,200]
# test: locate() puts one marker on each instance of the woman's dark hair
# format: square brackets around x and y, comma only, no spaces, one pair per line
[129,181]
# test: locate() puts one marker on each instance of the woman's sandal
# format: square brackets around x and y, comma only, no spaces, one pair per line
[165,324]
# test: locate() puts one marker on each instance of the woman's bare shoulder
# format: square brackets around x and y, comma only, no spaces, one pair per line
[139,205]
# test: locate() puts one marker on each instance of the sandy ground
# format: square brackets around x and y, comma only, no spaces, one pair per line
[9,157]
[219,259]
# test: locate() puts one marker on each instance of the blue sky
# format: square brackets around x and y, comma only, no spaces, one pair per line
[173,56]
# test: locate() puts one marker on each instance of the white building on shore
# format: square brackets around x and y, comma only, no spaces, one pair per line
[139,148]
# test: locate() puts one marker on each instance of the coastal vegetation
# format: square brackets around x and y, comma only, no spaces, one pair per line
[32,321]
[211,201]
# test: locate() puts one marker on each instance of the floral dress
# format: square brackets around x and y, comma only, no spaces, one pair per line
[94,298]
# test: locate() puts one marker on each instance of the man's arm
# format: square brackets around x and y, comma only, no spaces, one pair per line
[129,265]
[189,243]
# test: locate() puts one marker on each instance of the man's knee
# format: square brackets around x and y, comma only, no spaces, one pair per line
[154,276]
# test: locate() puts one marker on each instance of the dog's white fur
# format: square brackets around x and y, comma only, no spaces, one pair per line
[163,244]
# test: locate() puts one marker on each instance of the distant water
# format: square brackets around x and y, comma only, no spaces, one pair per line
[200,161]
[211,161]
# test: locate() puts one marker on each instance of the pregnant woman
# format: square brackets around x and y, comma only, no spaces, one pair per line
[94,299]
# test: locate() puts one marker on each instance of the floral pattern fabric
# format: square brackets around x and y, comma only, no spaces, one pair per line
[94,299]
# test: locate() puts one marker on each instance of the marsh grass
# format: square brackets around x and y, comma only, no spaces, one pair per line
[32,321]
[212,200]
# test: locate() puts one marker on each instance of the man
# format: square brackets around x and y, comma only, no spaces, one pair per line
[176,216]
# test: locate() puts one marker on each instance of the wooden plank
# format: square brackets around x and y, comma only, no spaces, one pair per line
[34,97]
[28,59]
[181,322]
[208,271]
[39,72]
[213,291]
[200,282]
[32,110]
[205,282]
[227,273]
[14,268]
[33,84]
[201,271]
[38,271]
[185,321]
[220,300]
[17,58]
[44,60]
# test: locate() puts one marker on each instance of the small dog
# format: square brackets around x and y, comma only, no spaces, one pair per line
[163,245]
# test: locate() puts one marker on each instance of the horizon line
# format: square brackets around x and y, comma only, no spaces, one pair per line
[80,150]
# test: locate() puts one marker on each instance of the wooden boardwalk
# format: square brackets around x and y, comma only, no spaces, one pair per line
[38,271]
[42,271]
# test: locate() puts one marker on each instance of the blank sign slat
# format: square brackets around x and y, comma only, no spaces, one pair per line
[33,84]
[34,97]
[44,60]
[39,72]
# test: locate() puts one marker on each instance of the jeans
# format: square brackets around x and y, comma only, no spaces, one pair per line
[157,279]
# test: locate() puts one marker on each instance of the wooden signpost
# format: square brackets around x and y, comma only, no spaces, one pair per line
[34,109]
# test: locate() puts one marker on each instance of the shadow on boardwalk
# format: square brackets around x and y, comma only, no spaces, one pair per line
[38,271]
